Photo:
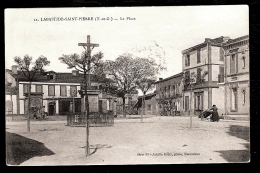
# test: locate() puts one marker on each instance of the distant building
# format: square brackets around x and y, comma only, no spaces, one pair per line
[56,91]
[205,57]
[130,100]
[169,94]
[150,104]
[237,84]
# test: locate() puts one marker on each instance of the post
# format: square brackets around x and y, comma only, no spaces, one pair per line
[29,106]
[87,86]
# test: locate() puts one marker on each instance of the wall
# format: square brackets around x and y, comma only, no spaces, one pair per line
[153,103]
[10,79]
[215,72]
[243,109]
[14,97]
[32,88]
[240,79]
[57,91]
[205,99]
[218,99]
[45,91]
[45,103]
[21,106]
[240,62]
[193,58]
[215,55]
[93,103]
[21,91]
[204,55]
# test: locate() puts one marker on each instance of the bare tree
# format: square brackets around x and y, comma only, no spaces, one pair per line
[31,74]
[81,64]
[123,73]
[190,81]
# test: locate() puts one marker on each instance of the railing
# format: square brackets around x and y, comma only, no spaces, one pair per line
[95,119]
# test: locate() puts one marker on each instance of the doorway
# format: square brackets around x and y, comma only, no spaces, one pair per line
[51,109]
[100,109]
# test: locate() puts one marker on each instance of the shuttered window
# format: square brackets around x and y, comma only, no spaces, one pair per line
[233,64]
[63,90]
[73,91]
[186,103]
[39,88]
[51,90]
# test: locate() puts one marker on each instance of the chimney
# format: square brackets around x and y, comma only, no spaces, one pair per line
[160,78]
[75,72]
[207,40]
[225,39]
[14,69]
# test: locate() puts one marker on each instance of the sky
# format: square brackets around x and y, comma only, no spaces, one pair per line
[174,29]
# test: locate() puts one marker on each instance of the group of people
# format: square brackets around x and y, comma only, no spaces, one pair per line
[214,116]
[39,113]
[212,112]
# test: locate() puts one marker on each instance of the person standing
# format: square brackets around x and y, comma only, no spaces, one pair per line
[215,116]
[42,112]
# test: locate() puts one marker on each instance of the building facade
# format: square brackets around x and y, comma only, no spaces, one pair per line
[203,66]
[150,105]
[237,84]
[169,95]
[56,92]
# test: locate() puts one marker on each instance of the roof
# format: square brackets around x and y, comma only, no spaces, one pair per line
[216,42]
[60,77]
[177,78]
[231,41]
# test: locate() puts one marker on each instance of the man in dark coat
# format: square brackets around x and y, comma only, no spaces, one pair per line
[215,116]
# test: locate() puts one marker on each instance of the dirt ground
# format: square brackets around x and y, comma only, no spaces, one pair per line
[158,140]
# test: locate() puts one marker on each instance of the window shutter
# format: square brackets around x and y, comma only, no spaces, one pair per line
[201,102]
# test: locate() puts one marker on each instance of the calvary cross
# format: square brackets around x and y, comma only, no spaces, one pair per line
[88,45]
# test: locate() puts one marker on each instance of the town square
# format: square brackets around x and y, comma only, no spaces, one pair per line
[127,90]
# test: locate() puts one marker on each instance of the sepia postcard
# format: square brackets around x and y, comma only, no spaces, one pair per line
[127,85]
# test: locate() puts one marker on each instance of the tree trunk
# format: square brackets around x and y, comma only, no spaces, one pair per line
[29,106]
[143,104]
[124,111]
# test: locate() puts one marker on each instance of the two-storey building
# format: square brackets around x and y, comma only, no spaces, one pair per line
[205,58]
[57,91]
[169,94]
[237,84]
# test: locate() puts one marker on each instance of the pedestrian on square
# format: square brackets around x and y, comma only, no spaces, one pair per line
[42,111]
[215,116]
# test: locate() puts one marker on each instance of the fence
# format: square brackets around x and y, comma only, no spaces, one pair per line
[95,119]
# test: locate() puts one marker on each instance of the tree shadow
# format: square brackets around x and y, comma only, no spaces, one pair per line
[238,156]
[98,146]
[19,149]
[242,132]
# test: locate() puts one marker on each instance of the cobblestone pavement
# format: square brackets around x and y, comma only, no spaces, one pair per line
[157,140]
